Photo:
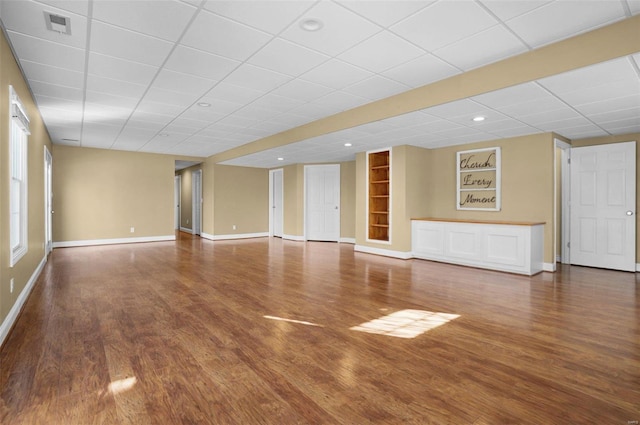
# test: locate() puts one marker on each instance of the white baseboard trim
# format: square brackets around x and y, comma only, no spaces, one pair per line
[348,240]
[548,267]
[237,236]
[558,259]
[385,252]
[184,229]
[207,236]
[638,267]
[11,318]
[69,244]
[293,237]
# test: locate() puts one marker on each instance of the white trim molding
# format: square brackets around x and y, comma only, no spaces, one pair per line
[186,230]
[293,238]
[385,252]
[548,267]
[235,236]
[348,240]
[638,267]
[70,244]
[11,318]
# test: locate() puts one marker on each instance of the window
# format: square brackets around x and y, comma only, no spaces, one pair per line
[18,169]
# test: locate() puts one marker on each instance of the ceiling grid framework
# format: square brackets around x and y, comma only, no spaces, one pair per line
[199,78]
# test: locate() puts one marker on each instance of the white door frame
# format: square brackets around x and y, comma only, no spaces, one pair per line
[48,202]
[272,173]
[196,208]
[177,201]
[305,221]
[565,188]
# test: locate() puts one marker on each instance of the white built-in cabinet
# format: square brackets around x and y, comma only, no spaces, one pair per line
[515,247]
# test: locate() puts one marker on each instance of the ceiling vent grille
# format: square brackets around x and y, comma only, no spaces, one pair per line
[57,23]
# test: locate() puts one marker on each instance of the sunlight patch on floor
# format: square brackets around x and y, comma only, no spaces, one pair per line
[300,322]
[406,323]
[122,385]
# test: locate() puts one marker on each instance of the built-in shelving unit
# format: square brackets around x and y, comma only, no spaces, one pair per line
[379,192]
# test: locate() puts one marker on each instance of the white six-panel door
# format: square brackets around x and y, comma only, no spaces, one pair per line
[277,207]
[322,206]
[603,204]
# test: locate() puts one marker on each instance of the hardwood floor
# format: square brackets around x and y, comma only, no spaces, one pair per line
[259,332]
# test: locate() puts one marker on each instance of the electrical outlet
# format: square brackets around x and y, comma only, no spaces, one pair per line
[133,229]
[11,286]
[234,227]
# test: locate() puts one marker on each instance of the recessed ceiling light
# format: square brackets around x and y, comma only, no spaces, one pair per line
[281,159]
[479,118]
[348,144]
[204,104]
[311,24]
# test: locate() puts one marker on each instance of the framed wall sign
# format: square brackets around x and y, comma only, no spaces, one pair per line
[478,179]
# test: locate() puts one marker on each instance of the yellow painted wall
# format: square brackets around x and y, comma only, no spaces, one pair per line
[241,199]
[100,194]
[617,139]
[21,273]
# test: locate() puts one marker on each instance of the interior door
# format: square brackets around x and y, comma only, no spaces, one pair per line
[603,203]
[196,217]
[322,206]
[48,201]
[277,203]
[176,201]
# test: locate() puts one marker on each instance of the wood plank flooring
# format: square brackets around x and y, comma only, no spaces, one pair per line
[259,332]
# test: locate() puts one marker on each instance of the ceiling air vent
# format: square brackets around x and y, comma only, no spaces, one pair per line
[57,23]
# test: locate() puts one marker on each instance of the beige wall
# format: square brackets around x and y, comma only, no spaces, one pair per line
[21,273]
[424,184]
[293,202]
[101,194]
[241,198]
[617,139]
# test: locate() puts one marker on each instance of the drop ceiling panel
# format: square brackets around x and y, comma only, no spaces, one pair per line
[382,51]
[610,104]
[277,103]
[521,93]
[53,90]
[176,98]
[163,19]
[336,74]
[74,6]
[27,17]
[483,48]
[231,93]
[341,101]
[115,87]
[272,16]
[547,103]
[376,87]
[585,78]
[386,12]
[221,36]
[170,110]
[178,81]
[444,23]
[596,93]
[49,74]
[106,99]
[509,9]
[255,78]
[47,52]
[549,22]
[196,62]
[302,90]
[61,116]
[342,29]
[53,102]
[287,58]
[121,69]
[421,71]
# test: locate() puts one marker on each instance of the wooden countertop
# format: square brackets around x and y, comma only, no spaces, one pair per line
[505,222]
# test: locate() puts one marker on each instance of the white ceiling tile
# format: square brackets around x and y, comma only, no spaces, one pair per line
[539,118]
[421,71]
[66,134]
[218,106]
[57,103]
[460,108]
[616,115]
[125,44]
[120,69]
[548,103]
[175,128]
[160,108]
[233,124]
[341,29]
[277,103]
[341,101]
[199,63]
[290,119]
[336,74]
[74,6]
[199,113]
[562,123]
[302,90]
[509,9]
[549,22]
[382,51]
[219,35]
[115,87]
[27,17]
[253,77]
[47,52]
[98,113]
[52,90]
[386,12]
[376,87]
[634,6]
[587,77]
[178,81]
[311,111]
[175,98]
[610,104]
[287,58]
[512,95]
[163,19]
[514,132]
[256,113]
[58,116]
[604,91]
[144,119]
[99,135]
[110,100]
[236,94]
[483,48]
[441,125]
[444,23]
[270,16]
[132,138]
[136,122]
[613,125]
[53,75]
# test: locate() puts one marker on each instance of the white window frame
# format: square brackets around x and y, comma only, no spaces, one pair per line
[18,195]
